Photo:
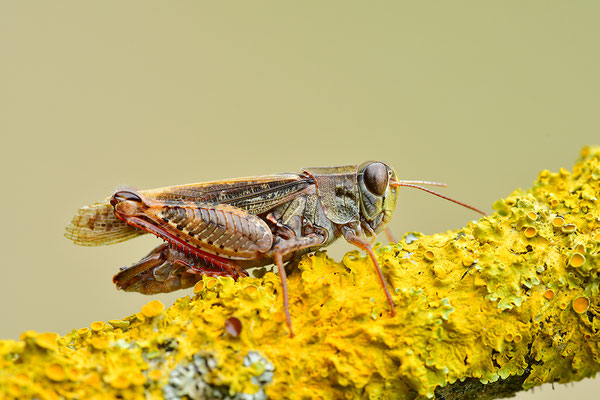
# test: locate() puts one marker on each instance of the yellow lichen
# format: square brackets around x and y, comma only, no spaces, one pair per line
[530,232]
[117,323]
[155,374]
[581,304]
[577,260]
[468,260]
[47,340]
[83,331]
[97,326]
[120,382]
[153,308]
[198,287]
[211,283]
[100,342]
[558,222]
[589,217]
[487,302]
[55,372]
[429,255]
[568,228]
[518,338]
[21,379]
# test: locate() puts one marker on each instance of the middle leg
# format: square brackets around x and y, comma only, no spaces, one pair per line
[286,247]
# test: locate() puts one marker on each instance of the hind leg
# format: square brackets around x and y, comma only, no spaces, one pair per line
[166,269]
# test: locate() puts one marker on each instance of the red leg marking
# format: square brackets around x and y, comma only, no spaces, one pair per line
[224,263]
[196,269]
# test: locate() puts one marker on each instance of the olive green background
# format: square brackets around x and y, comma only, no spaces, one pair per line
[481,95]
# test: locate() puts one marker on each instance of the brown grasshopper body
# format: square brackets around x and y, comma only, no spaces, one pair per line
[223,228]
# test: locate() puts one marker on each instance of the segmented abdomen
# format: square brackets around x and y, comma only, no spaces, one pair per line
[221,229]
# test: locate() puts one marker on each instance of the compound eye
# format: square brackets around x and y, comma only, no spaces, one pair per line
[376,178]
[124,195]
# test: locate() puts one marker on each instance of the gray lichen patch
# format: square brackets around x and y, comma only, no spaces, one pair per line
[192,380]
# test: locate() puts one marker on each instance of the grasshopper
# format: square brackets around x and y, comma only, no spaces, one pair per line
[223,228]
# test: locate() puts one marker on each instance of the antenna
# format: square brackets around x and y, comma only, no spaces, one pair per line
[420,183]
[413,185]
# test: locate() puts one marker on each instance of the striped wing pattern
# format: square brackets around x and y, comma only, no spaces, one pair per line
[97,225]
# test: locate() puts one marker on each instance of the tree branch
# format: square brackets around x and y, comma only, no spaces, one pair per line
[504,304]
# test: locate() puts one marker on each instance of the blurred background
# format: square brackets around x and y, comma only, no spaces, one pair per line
[152,94]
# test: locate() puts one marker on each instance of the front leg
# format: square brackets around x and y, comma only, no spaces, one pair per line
[286,247]
[351,237]
[390,236]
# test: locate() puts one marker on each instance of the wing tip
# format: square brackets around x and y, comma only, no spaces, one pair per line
[96,225]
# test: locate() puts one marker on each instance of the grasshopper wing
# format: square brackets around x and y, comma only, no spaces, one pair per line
[97,224]
[256,195]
